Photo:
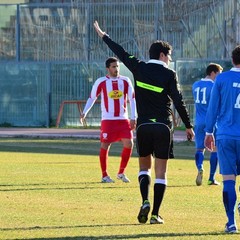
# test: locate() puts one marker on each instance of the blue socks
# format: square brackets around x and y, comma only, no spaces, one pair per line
[213,165]
[229,200]
[199,157]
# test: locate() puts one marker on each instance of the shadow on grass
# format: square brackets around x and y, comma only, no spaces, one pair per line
[132,236]
[61,146]
[56,186]
[182,150]
[70,186]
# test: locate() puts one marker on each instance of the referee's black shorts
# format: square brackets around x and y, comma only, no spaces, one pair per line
[154,138]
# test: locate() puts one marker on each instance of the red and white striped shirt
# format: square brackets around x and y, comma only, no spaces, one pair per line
[114,95]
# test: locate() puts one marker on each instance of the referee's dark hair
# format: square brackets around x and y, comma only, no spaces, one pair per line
[157,47]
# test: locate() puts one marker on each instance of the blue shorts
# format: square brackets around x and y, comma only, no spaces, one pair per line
[229,156]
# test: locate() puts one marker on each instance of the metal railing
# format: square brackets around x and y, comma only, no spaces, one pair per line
[31,92]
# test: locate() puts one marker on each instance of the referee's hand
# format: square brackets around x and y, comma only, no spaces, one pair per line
[190,134]
[98,29]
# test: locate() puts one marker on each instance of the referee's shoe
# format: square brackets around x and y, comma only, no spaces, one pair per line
[143,213]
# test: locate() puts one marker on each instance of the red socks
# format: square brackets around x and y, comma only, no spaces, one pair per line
[125,156]
[103,161]
[103,156]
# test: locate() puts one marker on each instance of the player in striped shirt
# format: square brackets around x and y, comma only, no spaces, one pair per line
[201,91]
[224,110]
[115,90]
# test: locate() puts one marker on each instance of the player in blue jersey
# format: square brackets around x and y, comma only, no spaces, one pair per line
[201,91]
[224,110]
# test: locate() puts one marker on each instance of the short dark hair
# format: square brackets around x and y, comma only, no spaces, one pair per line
[110,60]
[236,55]
[213,67]
[157,47]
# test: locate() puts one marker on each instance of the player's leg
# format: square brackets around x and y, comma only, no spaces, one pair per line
[238,173]
[105,139]
[125,157]
[144,149]
[200,150]
[126,136]
[227,154]
[239,204]
[199,158]
[159,189]
[162,148]
[213,167]
[144,176]
[103,157]
[144,179]
[229,200]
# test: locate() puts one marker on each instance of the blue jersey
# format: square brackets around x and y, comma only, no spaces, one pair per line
[201,91]
[224,106]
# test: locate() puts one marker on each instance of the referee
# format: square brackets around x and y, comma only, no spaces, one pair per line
[156,86]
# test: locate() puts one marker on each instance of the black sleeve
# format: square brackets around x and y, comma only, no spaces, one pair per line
[129,61]
[176,96]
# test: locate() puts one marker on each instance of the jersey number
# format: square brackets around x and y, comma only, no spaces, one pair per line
[199,90]
[237,104]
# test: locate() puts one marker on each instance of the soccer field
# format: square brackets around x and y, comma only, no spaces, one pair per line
[50,189]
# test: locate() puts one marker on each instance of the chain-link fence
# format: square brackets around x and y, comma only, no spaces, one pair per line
[49,52]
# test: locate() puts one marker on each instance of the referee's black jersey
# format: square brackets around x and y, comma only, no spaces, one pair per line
[155,86]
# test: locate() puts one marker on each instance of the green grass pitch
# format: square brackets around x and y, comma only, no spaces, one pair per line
[50,189]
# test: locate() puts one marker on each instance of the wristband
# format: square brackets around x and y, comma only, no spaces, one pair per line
[209,134]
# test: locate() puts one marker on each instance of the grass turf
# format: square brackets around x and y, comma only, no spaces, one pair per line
[50,189]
